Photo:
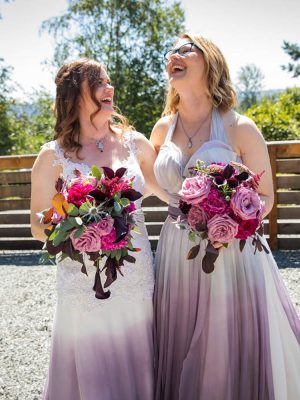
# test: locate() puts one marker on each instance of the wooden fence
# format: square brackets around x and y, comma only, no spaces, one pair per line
[282,228]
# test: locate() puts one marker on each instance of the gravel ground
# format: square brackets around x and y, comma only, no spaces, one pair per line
[27,300]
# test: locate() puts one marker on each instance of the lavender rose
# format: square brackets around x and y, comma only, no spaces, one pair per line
[196,216]
[222,228]
[89,240]
[195,189]
[105,226]
[246,203]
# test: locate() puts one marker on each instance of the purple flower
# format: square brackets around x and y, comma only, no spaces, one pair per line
[105,226]
[246,203]
[89,240]
[222,228]
[195,189]
[196,216]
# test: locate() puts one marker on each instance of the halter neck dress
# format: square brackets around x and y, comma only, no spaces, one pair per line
[229,335]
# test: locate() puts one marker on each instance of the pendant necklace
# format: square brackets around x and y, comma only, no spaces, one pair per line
[100,143]
[190,142]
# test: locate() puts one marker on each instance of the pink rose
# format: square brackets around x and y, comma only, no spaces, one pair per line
[107,241]
[216,167]
[247,228]
[195,189]
[78,193]
[222,228]
[196,216]
[89,240]
[215,203]
[105,226]
[85,180]
[246,203]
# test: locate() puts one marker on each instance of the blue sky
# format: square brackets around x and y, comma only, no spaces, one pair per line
[246,31]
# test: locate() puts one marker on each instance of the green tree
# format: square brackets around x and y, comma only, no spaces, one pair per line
[24,127]
[278,118]
[293,50]
[249,83]
[5,106]
[32,123]
[130,38]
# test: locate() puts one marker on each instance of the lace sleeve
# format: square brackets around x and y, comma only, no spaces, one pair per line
[60,158]
[129,139]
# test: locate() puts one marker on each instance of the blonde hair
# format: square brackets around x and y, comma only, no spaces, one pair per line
[220,88]
[68,82]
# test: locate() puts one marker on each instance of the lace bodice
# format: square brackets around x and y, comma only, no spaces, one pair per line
[171,165]
[137,283]
[130,162]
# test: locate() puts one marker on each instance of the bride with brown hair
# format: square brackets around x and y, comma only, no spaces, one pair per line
[101,349]
[232,334]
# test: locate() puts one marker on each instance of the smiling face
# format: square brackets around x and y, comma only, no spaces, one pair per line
[198,72]
[186,67]
[96,98]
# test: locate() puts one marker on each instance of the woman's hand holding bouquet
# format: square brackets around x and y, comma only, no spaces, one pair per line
[220,203]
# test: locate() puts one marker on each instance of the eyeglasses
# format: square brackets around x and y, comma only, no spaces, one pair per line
[183,50]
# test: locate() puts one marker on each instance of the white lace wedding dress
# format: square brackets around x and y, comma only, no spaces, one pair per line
[102,349]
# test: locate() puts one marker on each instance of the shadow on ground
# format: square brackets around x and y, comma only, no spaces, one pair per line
[284,258]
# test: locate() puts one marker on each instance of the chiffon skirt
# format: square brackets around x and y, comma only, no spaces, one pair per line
[102,355]
[229,335]
[103,349]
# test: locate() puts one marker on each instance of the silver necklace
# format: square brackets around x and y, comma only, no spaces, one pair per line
[100,143]
[190,143]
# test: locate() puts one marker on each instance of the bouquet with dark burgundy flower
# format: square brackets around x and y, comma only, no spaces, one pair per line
[220,203]
[93,216]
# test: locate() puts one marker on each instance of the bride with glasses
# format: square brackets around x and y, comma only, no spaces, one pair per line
[232,334]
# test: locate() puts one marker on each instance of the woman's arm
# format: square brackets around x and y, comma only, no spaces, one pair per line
[43,177]
[254,154]
[159,132]
[147,156]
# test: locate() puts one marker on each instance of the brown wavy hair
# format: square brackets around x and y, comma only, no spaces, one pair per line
[68,82]
[220,88]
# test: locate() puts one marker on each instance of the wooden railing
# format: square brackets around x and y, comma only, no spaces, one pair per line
[285,163]
[283,226]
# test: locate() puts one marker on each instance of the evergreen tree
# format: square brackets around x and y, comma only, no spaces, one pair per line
[293,50]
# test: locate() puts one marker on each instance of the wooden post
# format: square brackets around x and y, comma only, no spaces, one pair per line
[273,225]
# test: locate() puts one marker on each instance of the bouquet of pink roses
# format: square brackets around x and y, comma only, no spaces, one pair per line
[93,215]
[220,203]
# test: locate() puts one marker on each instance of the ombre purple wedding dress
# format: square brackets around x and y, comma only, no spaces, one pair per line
[103,349]
[229,335]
